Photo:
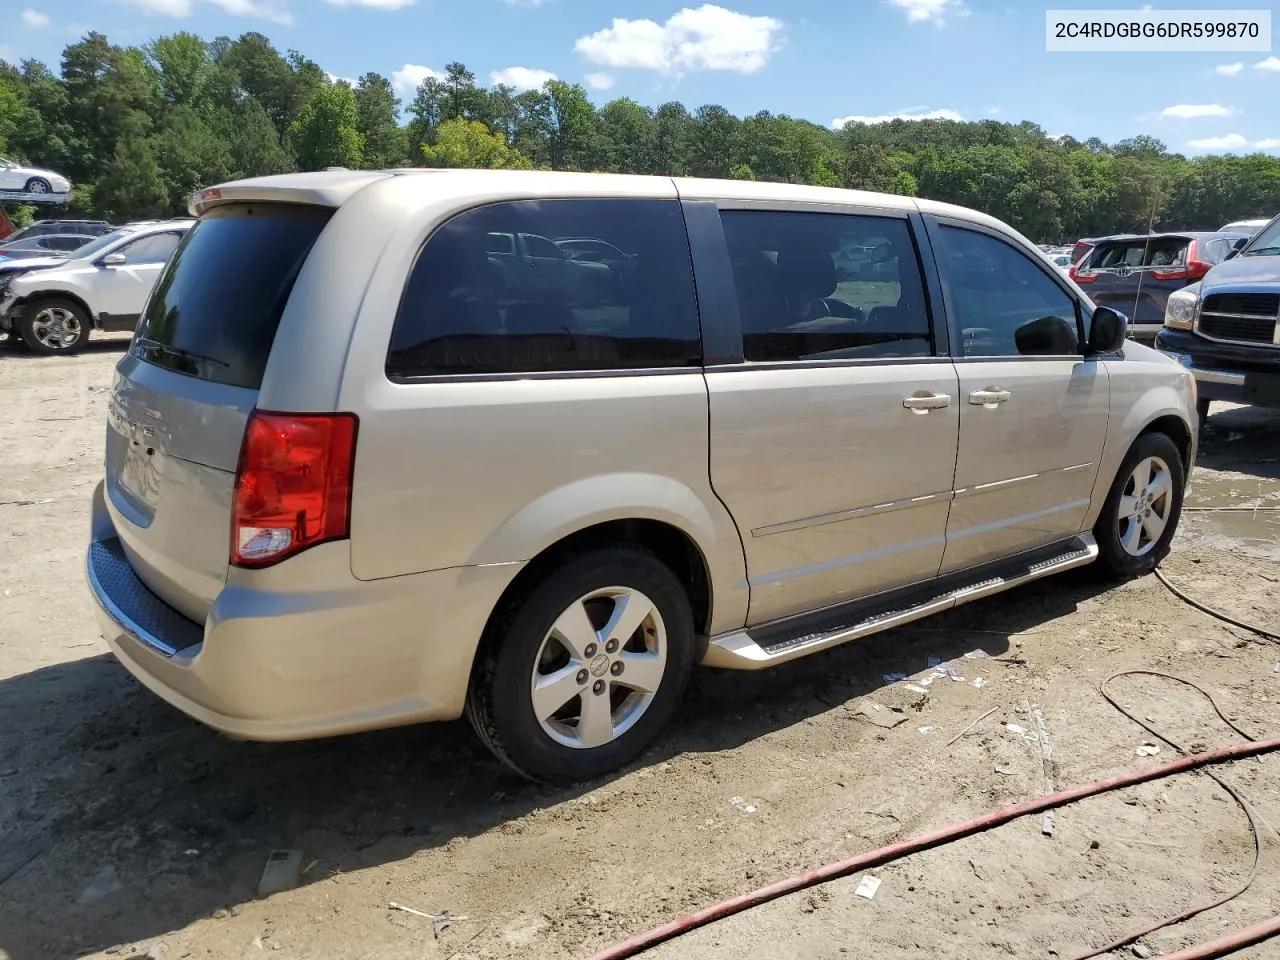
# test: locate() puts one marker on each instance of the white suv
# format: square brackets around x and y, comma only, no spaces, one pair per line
[103,287]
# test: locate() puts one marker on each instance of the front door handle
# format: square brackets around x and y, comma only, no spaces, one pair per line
[923,401]
[990,397]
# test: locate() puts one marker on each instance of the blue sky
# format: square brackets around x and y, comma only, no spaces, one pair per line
[817,59]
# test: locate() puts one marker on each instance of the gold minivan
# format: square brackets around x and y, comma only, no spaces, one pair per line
[389,447]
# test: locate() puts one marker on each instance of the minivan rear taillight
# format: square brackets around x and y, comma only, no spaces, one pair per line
[293,485]
[1193,269]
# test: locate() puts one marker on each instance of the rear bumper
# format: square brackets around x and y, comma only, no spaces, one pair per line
[274,662]
[1230,372]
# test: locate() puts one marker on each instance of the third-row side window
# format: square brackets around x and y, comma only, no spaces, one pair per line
[820,286]
[536,286]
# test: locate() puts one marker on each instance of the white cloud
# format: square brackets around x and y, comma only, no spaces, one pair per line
[1233,142]
[34,18]
[8,55]
[525,3]
[1190,111]
[334,78]
[406,80]
[172,8]
[600,81]
[703,38]
[376,4]
[522,78]
[994,111]
[265,9]
[1271,63]
[924,11]
[839,122]
[1228,69]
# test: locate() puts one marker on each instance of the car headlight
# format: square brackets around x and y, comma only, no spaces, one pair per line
[1180,311]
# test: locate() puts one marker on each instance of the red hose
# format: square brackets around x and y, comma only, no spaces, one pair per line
[875,858]
[1229,942]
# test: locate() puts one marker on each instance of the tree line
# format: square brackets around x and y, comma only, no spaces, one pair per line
[139,129]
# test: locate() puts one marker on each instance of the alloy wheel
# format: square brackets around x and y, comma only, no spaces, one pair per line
[1145,506]
[599,667]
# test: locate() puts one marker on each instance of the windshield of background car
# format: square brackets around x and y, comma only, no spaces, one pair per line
[1266,243]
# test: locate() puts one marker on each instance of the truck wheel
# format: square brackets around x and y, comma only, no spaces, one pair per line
[54,326]
[578,675]
[1141,512]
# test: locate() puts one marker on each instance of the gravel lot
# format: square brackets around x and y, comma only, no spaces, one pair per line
[127,829]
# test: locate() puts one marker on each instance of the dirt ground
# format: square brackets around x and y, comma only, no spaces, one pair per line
[127,829]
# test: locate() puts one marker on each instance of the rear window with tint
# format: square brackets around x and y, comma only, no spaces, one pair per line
[215,310]
[1157,252]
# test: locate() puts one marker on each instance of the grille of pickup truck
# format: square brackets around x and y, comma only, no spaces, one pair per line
[1241,317]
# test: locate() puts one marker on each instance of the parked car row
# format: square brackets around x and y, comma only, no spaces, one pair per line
[1226,326]
[1135,274]
[52,304]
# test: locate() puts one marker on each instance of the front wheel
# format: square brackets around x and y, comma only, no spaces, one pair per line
[38,185]
[579,676]
[1141,512]
[54,326]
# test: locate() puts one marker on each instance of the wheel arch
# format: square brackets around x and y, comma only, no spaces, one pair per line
[659,512]
[1164,409]
[31,299]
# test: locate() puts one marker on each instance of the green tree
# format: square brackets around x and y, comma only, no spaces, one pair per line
[184,66]
[326,133]
[132,185]
[376,110]
[190,155]
[469,144]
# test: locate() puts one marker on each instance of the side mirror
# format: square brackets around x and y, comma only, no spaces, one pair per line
[113,260]
[1047,337]
[1107,330]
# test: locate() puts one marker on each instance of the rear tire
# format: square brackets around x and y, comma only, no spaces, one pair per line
[54,326]
[1202,411]
[1141,512]
[558,695]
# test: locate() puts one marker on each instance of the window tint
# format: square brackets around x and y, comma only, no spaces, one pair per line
[1157,252]
[1004,304]
[152,249]
[817,286]
[472,306]
[216,307]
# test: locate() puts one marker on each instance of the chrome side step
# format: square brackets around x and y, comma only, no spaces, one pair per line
[756,648]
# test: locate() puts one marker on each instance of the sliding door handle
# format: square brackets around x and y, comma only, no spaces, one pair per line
[923,401]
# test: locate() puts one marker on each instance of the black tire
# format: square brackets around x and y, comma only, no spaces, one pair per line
[39,182]
[30,336]
[1113,558]
[500,701]
[1202,411]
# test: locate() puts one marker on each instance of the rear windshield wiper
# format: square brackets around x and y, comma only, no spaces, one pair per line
[177,353]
